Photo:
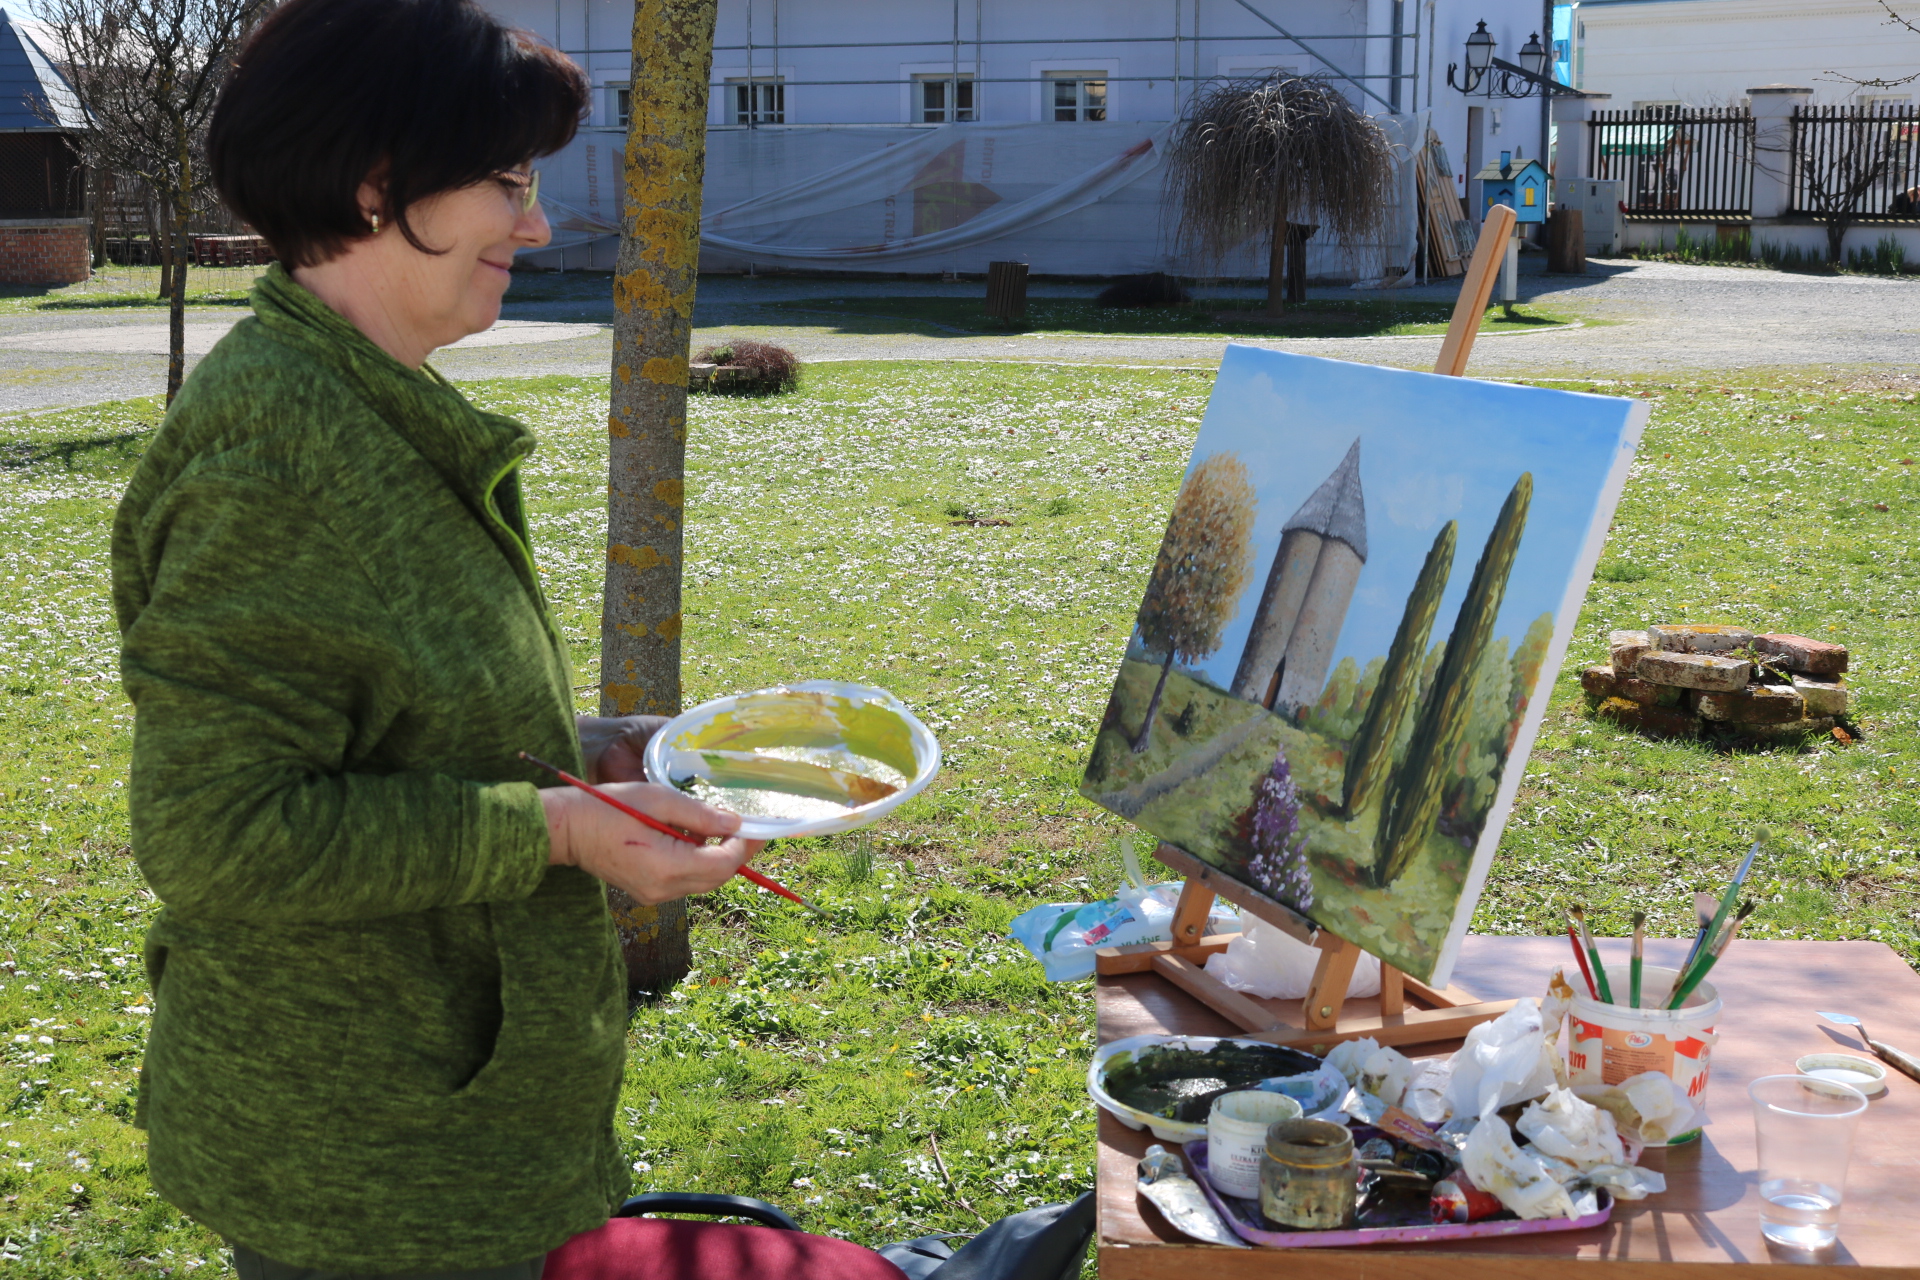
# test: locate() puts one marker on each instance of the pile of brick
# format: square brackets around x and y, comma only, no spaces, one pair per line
[1689,681]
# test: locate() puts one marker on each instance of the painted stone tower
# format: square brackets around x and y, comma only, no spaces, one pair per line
[1322,550]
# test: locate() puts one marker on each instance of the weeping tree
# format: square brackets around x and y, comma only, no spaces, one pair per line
[1276,158]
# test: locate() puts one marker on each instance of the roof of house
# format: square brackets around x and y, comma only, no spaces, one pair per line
[1512,168]
[1337,509]
[33,93]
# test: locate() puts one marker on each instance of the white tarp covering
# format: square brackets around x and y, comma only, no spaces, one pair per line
[1068,199]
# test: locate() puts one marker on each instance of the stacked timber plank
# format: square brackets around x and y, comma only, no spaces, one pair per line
[1726,682]
[1444,228]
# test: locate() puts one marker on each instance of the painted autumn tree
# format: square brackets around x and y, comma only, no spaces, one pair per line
[1252,156]
[653,289]
[1203,568]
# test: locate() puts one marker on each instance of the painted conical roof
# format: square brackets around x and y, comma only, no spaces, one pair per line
[33,93]
[1337,509]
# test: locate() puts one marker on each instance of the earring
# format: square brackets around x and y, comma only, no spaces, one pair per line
[375,219]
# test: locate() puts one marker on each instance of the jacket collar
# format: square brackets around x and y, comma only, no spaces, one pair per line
[470,449]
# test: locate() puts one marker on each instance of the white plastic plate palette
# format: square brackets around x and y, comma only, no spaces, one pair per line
[805,759]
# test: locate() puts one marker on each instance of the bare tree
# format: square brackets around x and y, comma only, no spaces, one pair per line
[1893,20]
[653,287]
[1845,157]
[148,72]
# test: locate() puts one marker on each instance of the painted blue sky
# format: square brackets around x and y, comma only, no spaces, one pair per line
[1432,449]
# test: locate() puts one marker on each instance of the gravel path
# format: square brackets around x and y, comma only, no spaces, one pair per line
[1638,318]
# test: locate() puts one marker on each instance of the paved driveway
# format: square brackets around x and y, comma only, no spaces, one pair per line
[1637,318]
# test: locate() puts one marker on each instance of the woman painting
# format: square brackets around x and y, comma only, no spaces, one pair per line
[390,1022]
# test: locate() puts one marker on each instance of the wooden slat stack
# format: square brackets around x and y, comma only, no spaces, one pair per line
[1448,233]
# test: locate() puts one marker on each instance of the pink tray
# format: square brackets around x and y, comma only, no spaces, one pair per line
[1196,1152]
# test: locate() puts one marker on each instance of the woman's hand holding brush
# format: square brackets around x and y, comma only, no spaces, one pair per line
[651,866]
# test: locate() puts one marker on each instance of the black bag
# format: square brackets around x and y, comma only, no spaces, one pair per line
[1041,1244]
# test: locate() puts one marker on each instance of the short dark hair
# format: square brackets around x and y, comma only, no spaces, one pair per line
[431,95]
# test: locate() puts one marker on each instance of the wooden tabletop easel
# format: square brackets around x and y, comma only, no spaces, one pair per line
[1434,1014]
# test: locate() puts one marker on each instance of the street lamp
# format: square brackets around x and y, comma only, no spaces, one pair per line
[1533,56]
[1532,75]
[1479,54]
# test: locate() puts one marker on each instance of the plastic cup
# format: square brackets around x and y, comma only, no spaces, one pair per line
[1804,1128]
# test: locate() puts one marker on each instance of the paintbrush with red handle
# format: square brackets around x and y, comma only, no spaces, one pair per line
[770,885]
[1573,935]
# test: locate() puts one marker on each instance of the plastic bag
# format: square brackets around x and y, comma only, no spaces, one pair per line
[1503,1061]
[1064,935]
[1273,965]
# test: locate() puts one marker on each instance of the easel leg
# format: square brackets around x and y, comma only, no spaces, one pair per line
[1190,916]
[1331,977]
[1393,992]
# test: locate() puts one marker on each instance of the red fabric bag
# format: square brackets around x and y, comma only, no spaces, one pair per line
[675,1249]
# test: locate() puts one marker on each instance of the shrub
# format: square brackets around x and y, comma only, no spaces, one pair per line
[768,367]
[1155,289]
[1888,257]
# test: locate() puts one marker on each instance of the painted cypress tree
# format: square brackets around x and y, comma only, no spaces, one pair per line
[1371,752]
[1413,797]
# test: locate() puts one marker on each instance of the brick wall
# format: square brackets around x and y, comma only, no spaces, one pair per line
[44,255]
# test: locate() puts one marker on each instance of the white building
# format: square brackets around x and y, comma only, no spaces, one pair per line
[1709,53]
[923,137]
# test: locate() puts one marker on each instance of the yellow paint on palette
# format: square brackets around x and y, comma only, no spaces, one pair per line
[792,718]
[806,759]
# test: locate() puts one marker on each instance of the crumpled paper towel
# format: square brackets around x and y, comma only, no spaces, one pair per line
[1506,1060]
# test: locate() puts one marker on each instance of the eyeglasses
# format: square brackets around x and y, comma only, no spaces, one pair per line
[527,185]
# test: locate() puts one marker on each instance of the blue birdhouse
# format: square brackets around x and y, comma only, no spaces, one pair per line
[1521,185]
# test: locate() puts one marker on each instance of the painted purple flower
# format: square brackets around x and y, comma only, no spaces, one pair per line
[1279,863]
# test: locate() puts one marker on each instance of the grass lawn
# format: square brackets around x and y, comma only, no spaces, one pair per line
[1205,318]
[818,1064]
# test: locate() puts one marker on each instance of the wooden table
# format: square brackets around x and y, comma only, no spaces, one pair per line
[1709,1216]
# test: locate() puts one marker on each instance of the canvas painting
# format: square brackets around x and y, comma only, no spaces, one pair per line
[1366,587]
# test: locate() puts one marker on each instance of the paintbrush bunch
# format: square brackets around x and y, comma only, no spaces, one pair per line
[1715,935]
[1718,925]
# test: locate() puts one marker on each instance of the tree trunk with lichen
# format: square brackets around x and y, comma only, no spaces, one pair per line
[653,289]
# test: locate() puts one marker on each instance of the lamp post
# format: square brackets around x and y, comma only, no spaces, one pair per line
[1498,78]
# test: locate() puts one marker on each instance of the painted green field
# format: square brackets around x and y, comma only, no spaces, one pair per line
[819,1065]
[1195,788]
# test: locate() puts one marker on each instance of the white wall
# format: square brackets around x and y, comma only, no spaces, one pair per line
[1710,52]
[1150,77]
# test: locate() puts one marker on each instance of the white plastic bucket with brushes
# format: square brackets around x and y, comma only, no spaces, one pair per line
[1613,1042]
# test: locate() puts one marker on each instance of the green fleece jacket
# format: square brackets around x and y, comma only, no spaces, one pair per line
[387,1035]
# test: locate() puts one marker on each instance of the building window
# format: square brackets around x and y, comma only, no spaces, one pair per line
[622,104]
[1077,95]
[937,92]
[758,101]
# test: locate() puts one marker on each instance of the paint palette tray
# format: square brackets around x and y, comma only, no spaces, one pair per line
[1247,1222]
[801,760]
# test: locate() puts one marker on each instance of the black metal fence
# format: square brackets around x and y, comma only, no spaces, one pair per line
[1677,162]
[1861,163]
